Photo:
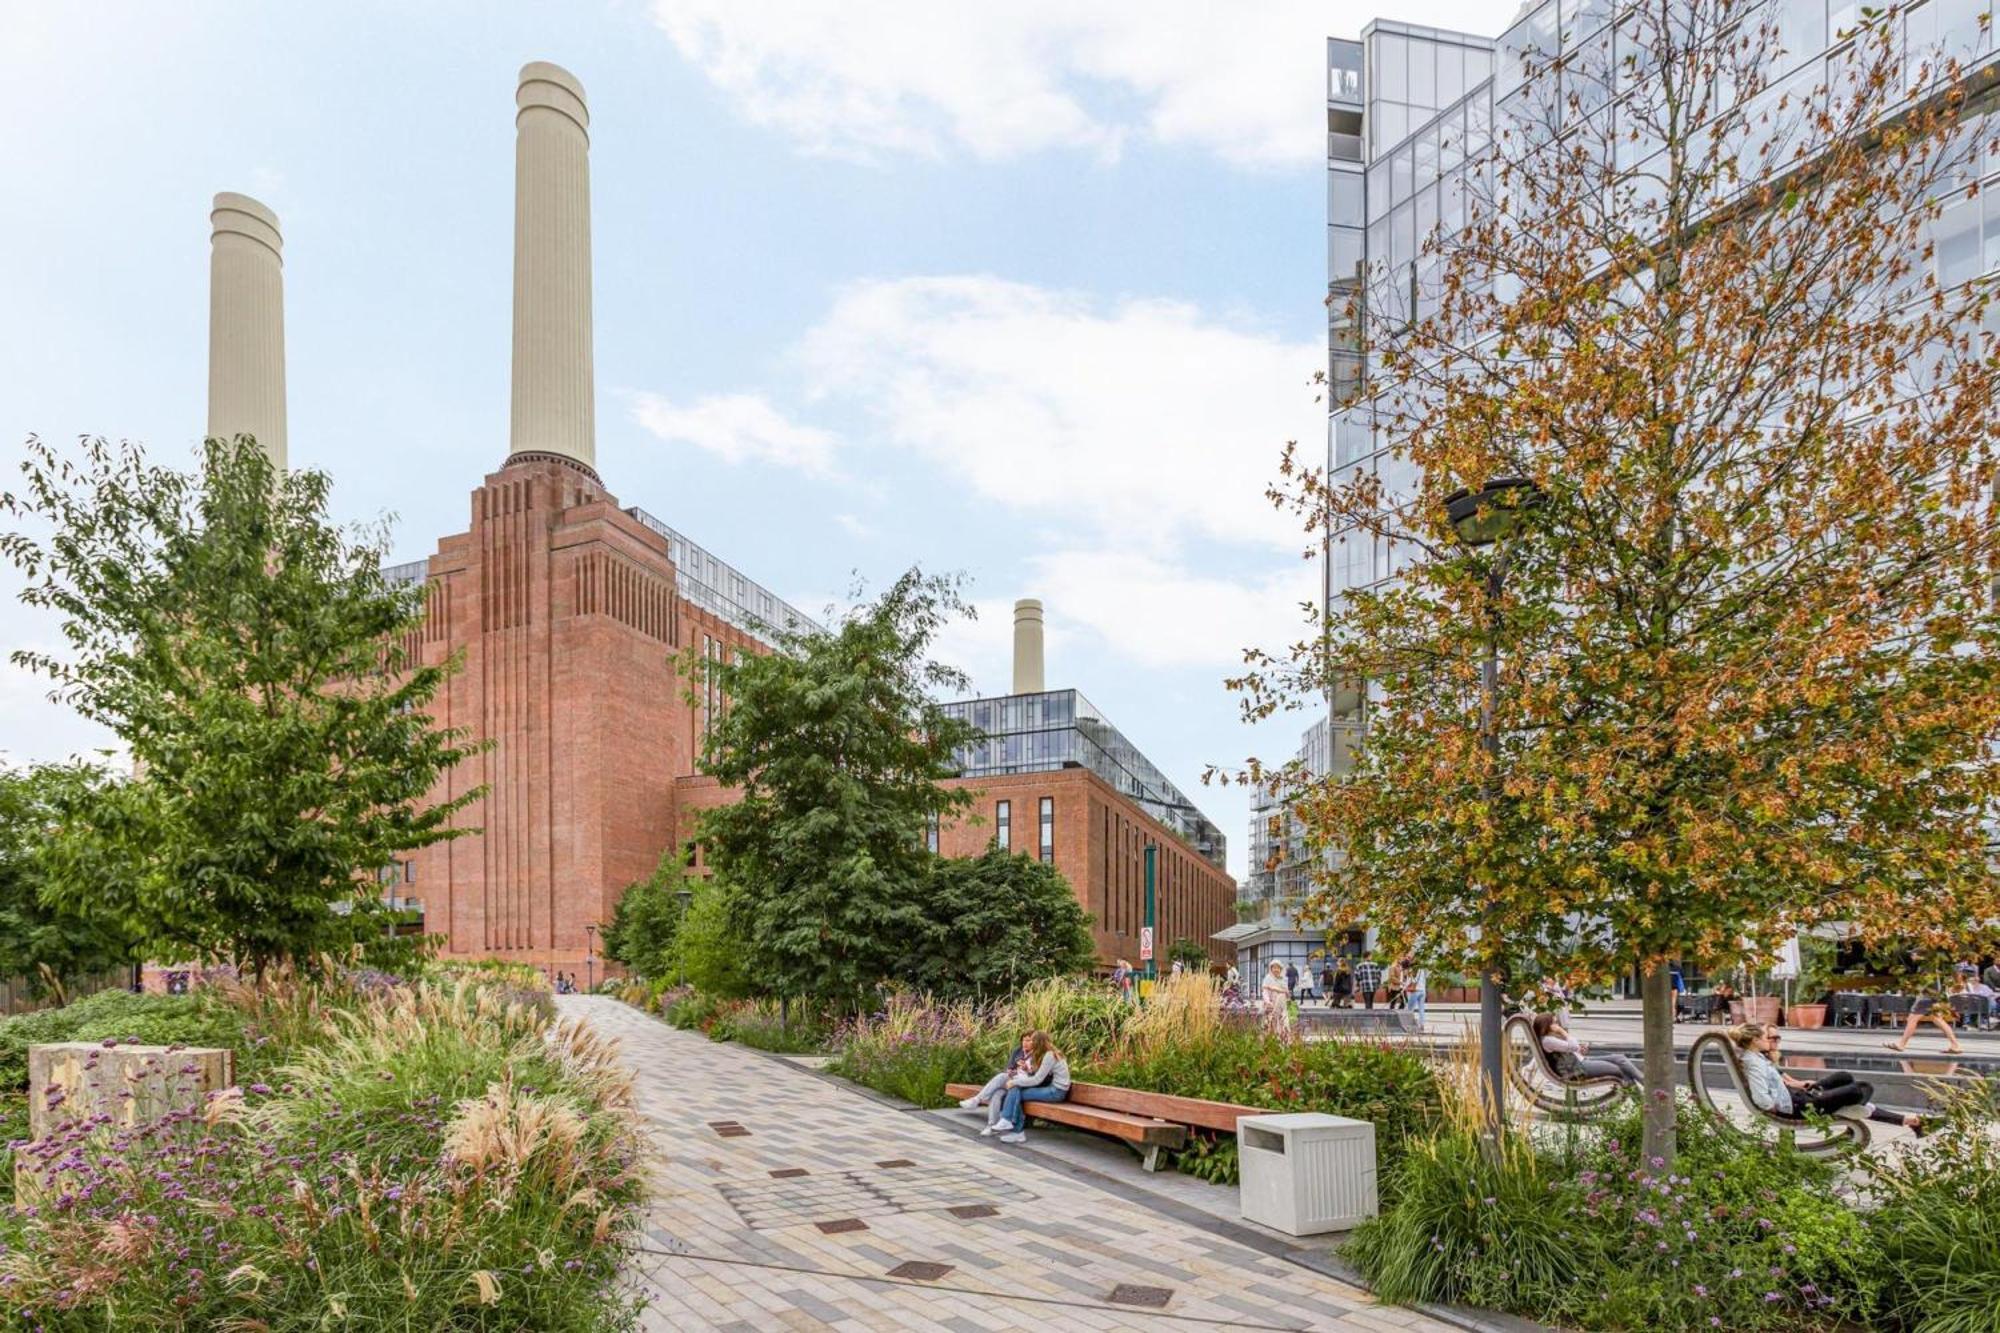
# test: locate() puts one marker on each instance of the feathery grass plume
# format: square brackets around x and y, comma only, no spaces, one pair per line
[1184,1010]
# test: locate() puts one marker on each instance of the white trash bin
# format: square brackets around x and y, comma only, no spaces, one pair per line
[1304,1174]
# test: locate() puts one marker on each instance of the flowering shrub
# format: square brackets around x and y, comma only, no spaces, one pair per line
[764,1025]
[445,1157]
[1587,1235]
[914,1047]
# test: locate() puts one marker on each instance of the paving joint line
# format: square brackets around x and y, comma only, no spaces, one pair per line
[1311,1259]
[884,1281]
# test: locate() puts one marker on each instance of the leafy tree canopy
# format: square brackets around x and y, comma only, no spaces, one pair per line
[46,946]
[250,654]
[839,749]
[993,923]
[645,926]
[1749,655]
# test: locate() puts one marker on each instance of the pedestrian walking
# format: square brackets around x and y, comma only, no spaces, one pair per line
[1291,979]
[1367,980]
[1277,999]
[1416,989]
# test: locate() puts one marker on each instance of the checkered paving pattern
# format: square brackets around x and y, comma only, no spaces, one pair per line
[969,1236]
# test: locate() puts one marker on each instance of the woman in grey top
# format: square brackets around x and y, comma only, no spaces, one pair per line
[1048,1081]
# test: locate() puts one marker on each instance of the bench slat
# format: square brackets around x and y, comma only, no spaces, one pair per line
[1116,1124]
[1193,1111]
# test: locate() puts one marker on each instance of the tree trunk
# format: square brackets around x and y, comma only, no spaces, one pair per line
[1657,1030]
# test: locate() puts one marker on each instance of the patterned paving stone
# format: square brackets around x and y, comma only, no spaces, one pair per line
[734,1232]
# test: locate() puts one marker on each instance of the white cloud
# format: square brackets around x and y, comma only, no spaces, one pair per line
[1163,614]
[855,526]
[867,78]
[1141,421]
[740,428]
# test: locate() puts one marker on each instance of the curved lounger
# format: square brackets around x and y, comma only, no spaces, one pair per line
[1536,1079]
[1841,1134]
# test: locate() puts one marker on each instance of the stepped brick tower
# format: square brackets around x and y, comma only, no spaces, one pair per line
[567,611]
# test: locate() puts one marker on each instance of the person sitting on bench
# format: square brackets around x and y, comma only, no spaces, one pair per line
[1048,1081]
[1017,1063]
[1771,1091]
[1568,1057]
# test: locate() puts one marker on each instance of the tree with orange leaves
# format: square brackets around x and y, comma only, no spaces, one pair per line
[1747,643]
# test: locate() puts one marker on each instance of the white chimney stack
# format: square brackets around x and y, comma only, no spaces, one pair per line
[554,409]
[1028,647]
[246,324]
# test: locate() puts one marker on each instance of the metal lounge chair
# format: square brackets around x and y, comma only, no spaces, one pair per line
[1535,1077]
[1841,1134]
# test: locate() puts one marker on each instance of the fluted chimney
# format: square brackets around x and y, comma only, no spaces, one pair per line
[1028,646]
[246,324]
[554,410]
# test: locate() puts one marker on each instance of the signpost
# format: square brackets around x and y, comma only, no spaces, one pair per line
[1146,931]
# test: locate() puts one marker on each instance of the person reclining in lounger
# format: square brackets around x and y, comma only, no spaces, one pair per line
[1568,1055]
[1790,1098]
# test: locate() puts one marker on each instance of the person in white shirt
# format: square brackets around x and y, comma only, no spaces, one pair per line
[1017,1063]
[1569,1058]
[1047,1081]
[1277,998]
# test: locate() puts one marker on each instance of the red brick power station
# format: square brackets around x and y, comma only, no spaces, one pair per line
[568,612]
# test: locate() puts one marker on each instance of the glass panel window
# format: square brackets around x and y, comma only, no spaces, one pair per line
[931,833]
[1402,236]
[1992,261]
[1003,824]
[1427,217]
[1401,175]
[1048,821]
[1955,236]
[1423,74]
[1392,69]
[1451,83]
[1343,257]
[1344,199]
[1378,187]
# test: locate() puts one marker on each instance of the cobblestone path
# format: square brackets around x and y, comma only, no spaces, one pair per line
[784,1201]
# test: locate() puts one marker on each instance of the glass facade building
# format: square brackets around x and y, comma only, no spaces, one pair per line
[1422,105]
[1052,729]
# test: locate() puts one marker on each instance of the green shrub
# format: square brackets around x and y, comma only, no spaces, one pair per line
[1586,1235]
[914,1047]
[1934,1227]
[691,1009]
[361,1192]
[161,1020]
[763,1024]
[1389,1086]
[1468,1228]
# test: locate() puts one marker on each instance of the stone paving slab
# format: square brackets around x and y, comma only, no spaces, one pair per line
[726,1243]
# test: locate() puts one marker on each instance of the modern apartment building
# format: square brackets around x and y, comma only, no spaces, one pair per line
[1411,111]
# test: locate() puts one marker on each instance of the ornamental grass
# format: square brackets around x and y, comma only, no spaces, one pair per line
[443,1156]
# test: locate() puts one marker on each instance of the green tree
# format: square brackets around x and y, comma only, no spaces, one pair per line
[1749,654]
[646,923]
[839,750]
[710,950]
[47,946]
[993,923]
[251,656]
[1189,954]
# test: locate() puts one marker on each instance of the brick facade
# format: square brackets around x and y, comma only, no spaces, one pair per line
[563,608]
[564,611]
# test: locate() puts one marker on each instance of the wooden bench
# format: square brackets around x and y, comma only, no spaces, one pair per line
[1550,1091]
[1841,1135]
[1145,1121]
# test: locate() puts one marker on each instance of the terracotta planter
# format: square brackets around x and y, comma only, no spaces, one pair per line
[1806,1016]
[1762,1009]
[1736,1011]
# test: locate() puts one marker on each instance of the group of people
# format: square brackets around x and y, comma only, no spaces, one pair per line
[1035,1072]
[1771,1089]
[1404,985]
[565,983]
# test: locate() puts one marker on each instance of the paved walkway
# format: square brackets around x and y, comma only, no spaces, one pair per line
[784,1201]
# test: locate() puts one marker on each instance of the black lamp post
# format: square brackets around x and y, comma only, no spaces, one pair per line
[1489,517]
[590,958]
[686,897]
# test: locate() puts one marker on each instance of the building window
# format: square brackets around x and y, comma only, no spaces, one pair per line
[1049,829]
[931,833]
[1003,820]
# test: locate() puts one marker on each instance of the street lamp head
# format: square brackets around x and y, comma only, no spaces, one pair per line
[1491,513]
[686,896]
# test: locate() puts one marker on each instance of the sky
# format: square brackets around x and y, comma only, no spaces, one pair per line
[1030,293]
